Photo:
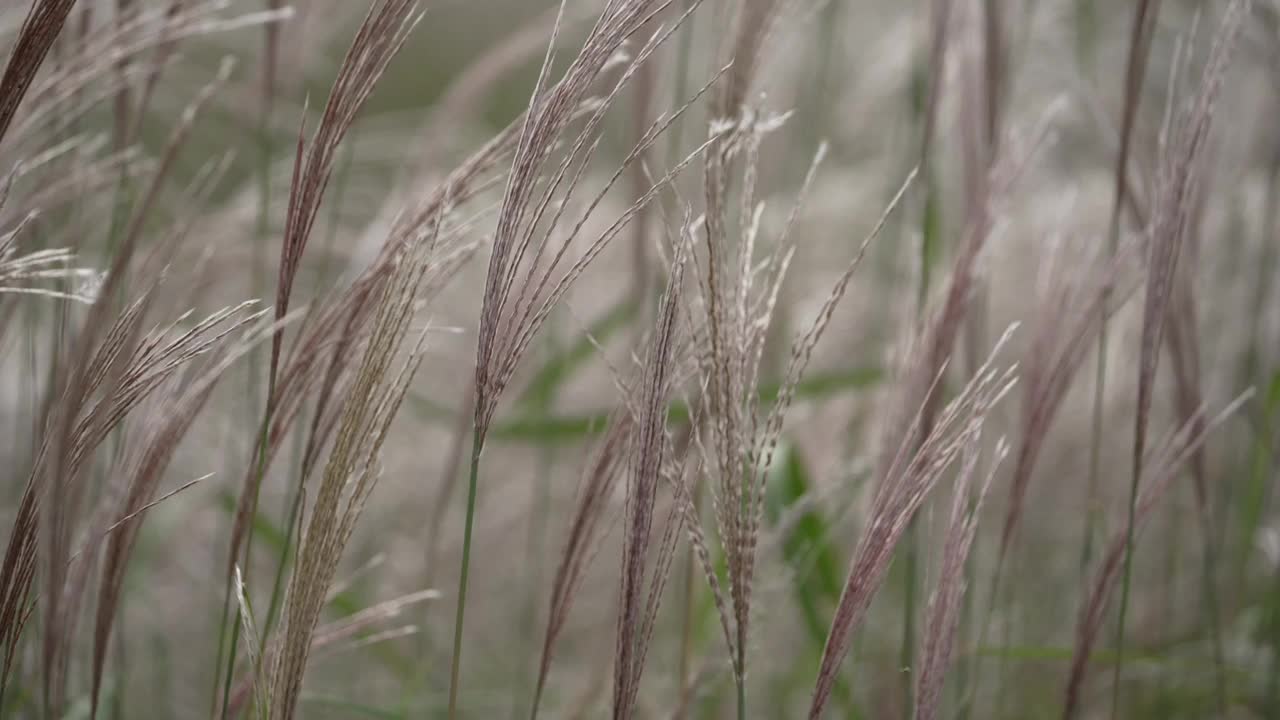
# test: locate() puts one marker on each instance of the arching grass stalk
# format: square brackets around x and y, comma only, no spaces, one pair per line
[530,266]
[381,35]
[303,450]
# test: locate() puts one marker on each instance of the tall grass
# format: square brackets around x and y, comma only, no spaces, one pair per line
[234,450]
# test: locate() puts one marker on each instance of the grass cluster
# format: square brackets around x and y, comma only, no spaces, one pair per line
[641,358]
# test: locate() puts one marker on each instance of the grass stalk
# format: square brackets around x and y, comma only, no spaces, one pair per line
[265,142]
[741,682]
[688,578]
[477,444]
[1125,582]
[1144,17]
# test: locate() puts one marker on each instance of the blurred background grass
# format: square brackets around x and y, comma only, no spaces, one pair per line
[853,74]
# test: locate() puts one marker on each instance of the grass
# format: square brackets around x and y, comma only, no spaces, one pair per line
[1021,464]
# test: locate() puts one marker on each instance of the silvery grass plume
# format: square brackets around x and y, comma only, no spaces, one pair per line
[352,469]
[36,36]
[608,464]
[1071,305]
[318,367]
[318,362]
[1145,15]
[323,364]
[20,273]
[911,477]
[733,122]
[47,185]
[1161,467]
[937,644]
[96,66]
[525,278]
[380,37]
[76,423]
[101,383]
[1183,145]
[150,365]
[462,95]
[750,30]
[910,419]
[147,456]
[122,372]
[585,534]
[645,569]
[100,380]
[1009,162]
[739,298]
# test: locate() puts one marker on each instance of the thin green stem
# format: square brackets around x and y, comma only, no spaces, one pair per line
[1135,72]
[1124,588]
[265,146]
[222,649]
[742,694]
[277,585]
[260,471]
[231,664]
[1273,684]
[477,444]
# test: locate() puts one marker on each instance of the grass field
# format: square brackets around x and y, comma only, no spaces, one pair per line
[640,358]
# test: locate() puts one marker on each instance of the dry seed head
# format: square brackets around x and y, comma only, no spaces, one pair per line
[523,281]
[911,477]
[1160,468]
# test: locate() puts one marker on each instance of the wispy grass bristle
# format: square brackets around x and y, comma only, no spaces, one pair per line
[912,476]
[233,231]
